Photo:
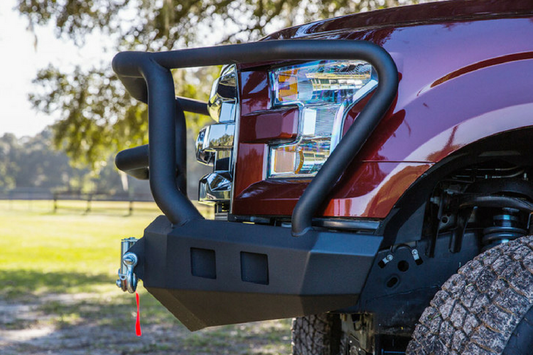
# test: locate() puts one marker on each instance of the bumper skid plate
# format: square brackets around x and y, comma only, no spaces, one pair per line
[211,273]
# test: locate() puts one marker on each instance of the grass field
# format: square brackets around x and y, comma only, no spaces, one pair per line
[58,293]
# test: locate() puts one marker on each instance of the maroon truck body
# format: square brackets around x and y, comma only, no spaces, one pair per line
[441,173]
[451,96]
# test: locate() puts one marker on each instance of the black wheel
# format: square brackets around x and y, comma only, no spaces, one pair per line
[486,308]
[316,335]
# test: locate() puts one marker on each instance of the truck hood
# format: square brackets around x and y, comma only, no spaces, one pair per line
[423,14]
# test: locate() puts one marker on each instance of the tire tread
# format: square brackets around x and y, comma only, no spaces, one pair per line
[316,335]
[479,309]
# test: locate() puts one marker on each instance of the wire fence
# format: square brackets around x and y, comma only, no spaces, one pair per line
[79,199]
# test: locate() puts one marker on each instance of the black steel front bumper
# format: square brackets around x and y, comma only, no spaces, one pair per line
[209,272]
[212,273]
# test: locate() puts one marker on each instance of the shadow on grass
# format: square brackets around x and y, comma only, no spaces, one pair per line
[162,333]
[77,306]
[29,283]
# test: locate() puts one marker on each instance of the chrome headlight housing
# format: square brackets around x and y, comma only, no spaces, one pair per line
[215,143]
[324,92]
[222,104]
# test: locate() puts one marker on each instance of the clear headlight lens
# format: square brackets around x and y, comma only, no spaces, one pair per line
[325,91]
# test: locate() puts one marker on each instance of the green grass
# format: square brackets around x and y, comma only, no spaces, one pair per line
[65,251]
[64,264]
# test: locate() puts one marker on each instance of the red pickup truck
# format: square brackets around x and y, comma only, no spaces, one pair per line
[372,177]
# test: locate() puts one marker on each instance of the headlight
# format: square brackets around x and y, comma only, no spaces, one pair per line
[324,91]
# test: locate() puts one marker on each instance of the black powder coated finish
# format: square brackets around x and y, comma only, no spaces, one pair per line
[134,162]
[147,77]
[194,106]
[212,273]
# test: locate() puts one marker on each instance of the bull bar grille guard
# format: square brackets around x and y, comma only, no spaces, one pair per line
[211,272]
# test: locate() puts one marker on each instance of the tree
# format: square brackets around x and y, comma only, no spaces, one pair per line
[32,163]
[9,153]
[97,116]
[29,162]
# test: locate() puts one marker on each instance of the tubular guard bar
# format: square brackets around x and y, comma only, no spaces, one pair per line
[147,77]
[210,272]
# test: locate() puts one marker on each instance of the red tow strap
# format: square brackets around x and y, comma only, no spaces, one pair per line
[138,331]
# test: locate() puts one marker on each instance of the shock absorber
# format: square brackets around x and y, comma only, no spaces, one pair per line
[507,226]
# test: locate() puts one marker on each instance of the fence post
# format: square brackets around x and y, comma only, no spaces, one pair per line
[89,199]
[55,202]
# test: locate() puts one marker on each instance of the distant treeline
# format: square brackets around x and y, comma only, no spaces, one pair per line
[31,163]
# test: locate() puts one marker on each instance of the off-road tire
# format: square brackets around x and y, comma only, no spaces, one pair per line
[316,335]
[486,308]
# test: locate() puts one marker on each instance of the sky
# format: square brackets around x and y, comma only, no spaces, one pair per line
[19,62]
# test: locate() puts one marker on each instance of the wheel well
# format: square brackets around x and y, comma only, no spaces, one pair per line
[470,201]
[499,165]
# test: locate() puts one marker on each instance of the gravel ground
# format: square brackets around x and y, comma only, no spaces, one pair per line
[58,293]
[81,324]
